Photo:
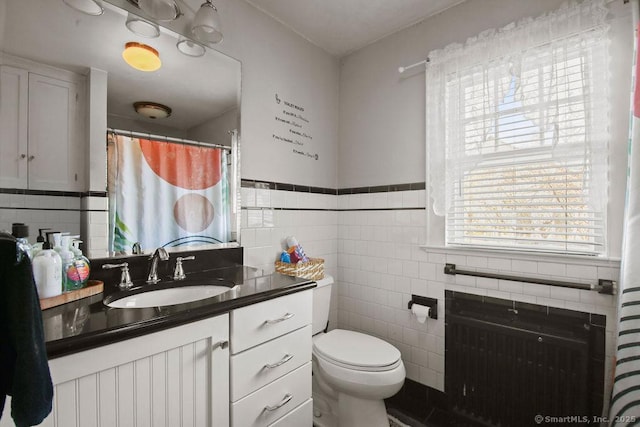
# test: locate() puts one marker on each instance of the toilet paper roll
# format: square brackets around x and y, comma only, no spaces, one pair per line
[421,312]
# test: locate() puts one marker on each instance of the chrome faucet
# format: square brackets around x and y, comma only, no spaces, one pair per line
[160,254]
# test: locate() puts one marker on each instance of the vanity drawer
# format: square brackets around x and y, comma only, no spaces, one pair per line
[258,366]
[302,416]
[257,323]
[273,401]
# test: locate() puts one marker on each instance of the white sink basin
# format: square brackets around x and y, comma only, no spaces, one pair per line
[170,296]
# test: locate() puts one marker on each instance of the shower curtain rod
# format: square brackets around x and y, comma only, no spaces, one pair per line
[408,67]
[167,139]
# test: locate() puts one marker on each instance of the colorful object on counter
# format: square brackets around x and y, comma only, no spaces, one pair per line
[81,262]
[284,257]
[75,267]
[314,269]
[294,262]
[293,255]
[295,251]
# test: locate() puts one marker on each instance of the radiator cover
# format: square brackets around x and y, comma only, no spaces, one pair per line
[506,362]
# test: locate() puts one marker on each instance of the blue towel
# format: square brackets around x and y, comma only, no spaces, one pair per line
[24,369]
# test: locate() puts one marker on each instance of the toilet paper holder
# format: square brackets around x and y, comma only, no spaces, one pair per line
[432,303]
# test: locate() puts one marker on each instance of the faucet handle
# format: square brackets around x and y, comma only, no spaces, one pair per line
[178,273]
[125,277]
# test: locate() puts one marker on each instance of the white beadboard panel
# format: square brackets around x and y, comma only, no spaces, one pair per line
[156,380]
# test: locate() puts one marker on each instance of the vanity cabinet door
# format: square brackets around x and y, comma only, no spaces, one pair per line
[175,377]
[14,110]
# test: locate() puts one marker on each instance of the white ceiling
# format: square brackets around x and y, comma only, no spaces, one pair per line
[343,26]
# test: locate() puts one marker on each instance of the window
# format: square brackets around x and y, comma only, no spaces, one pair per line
[517,130]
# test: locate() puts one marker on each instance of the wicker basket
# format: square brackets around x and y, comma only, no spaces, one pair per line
[314,269]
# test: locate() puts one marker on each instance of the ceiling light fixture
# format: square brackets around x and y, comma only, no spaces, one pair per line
[152,110]
[142,27]
[90,7]
[141,56]
[190,47]
[206,25]
[161,10]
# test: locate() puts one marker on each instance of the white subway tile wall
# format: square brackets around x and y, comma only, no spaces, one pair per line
[380,264]
[57,213]
[270,216]
[95,221]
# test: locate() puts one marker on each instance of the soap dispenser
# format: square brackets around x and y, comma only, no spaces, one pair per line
[81,262]
[37,247]
[70,278]
[47,271]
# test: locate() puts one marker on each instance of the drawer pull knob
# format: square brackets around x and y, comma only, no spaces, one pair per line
[287,397]
[220,344]
[282,361]
[280,319]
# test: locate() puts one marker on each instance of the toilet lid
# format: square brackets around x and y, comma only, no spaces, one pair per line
[356,350]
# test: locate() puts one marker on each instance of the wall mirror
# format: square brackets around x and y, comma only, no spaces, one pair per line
[203,92]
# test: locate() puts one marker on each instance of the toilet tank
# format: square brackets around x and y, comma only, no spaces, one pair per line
[321,302]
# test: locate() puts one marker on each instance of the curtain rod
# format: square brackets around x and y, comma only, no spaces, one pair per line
[167,139]
[408,67]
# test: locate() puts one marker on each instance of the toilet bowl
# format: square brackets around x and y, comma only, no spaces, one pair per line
[353,374]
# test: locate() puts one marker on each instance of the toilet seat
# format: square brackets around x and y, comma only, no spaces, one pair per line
[356,351]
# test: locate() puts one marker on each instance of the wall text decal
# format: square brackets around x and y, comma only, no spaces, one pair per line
[292,127]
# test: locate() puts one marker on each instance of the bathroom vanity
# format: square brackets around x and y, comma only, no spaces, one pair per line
[242,358]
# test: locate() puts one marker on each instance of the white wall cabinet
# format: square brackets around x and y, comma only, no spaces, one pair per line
[271,363]
[42,126]
[175,377]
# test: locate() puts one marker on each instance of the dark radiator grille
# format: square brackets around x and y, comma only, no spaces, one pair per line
[505,366]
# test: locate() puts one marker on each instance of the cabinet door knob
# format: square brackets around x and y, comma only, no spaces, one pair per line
[23,156]
[220,344]
[282,361]
[287,397]
[279,319]
[31,157]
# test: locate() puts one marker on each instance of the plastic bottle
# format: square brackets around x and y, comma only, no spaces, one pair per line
[55,239]
[37,247]
[71,280]
[21,232]
[47,271]
[81,262]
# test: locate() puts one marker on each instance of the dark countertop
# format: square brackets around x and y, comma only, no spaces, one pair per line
[88,323]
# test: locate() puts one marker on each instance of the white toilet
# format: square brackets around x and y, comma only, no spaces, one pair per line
[352,372]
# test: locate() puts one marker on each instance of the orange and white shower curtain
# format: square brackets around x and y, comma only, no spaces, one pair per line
[625,399]
[166,194]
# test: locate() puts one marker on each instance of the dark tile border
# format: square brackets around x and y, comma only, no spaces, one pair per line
[268,185]
[54,193]
[383,188]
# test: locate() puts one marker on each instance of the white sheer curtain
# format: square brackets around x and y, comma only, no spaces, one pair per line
[473,79]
